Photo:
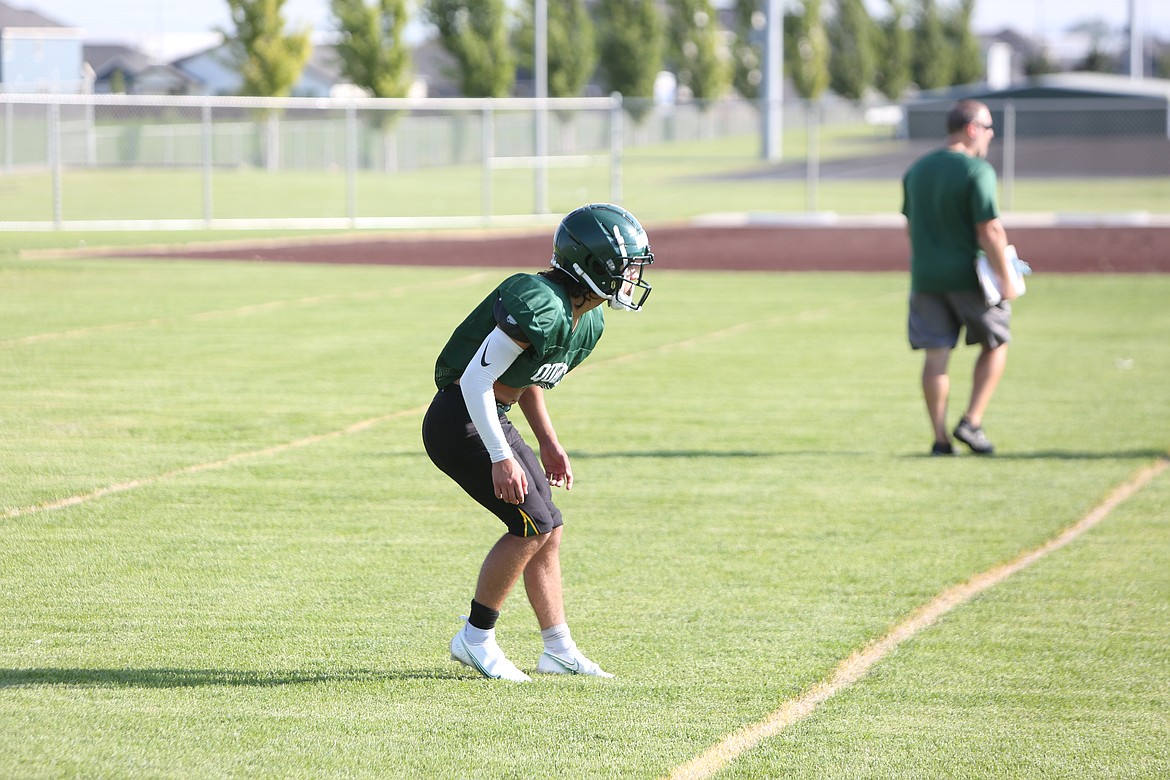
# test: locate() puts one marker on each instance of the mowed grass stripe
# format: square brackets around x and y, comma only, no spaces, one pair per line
[240,457]
[366,424]
[241,311]
[857,665]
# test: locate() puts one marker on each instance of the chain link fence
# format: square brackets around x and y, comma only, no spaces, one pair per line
[141,162]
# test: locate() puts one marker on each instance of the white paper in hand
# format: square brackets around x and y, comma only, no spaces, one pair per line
[1017,269]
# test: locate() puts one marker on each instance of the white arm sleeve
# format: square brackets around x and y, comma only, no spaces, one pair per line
[497,352]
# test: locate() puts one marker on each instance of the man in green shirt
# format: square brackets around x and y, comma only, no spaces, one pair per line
[522,339]
[949,202]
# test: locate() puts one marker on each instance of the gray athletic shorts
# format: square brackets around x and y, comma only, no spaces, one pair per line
[936,318]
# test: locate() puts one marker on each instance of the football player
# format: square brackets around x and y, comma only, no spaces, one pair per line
[521,340]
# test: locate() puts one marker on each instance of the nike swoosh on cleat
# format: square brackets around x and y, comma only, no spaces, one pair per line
[574,667]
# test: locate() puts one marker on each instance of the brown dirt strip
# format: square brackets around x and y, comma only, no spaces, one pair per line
[1061,249]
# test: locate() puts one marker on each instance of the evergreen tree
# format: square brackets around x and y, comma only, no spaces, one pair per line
[693,48]
[270,61]
[572,49]
[853,62]
[896,52]
[806,50]
[933,59]
[371,51]
[969,66]
[475,33]
[747,49]
[631,44]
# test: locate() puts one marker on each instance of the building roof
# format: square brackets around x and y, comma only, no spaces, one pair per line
[1105,84]
[11,16]
[1054,85]
[104,57]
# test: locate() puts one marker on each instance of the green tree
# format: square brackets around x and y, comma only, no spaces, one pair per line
[693,48]
[373,57]
[896,52]
[747,49]
[1162,64]
[1039,63]
[933,59]
[631,46]
[571,45]
[270,61]
[852,36]
[371,51]
[968,54]
[475,33]
[806,50]
[1097,61]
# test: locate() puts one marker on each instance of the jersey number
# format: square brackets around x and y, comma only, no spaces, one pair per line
[550,374]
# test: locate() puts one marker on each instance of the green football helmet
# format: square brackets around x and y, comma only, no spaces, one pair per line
[604,247]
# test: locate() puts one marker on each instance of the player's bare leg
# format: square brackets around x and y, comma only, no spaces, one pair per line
[989,369]
[936,389]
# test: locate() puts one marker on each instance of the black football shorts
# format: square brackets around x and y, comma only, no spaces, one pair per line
[453,444]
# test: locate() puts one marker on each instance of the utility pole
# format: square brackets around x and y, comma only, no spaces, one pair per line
[541,57]
[773,113]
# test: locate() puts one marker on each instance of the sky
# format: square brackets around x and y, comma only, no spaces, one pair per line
[171,28]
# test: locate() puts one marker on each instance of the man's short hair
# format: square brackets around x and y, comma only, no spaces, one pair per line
[962,114]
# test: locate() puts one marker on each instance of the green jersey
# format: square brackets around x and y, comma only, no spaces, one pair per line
[531,309]
[945,194]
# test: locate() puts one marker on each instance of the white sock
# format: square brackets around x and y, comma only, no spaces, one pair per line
[477,636]
[557,639]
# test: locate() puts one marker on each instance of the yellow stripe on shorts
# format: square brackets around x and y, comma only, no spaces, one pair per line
[530,528]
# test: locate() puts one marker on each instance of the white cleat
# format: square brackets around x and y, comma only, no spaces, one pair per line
[572,662]
[487,659]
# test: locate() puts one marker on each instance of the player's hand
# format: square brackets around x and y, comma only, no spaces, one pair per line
[509,481]
[556,466]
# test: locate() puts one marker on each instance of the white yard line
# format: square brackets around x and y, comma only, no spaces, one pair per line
[122,487]
[858,665]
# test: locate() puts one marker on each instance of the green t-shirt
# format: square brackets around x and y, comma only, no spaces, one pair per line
[529,308]
[944,195]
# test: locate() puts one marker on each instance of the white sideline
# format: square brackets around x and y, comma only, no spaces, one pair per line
[857,665]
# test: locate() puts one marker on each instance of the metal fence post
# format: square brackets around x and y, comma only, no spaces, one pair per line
[54,111]
[207,163]
[9,125]
[351,162]
[1009,153]
[488,142]
[616,146]
[90,133]
[814,155]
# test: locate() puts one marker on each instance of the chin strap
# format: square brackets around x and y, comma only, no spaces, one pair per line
[579,273]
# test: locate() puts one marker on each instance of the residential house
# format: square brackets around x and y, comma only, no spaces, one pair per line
[217,72]
[120,68]
[38,54]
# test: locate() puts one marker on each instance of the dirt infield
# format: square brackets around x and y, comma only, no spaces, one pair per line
[1058,249]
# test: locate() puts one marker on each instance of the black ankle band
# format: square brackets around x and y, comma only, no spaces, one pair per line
[483,617]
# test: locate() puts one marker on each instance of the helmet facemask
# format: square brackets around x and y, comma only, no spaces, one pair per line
[631,282]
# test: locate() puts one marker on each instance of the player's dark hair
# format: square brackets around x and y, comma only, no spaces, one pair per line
[962,114]
[577,289]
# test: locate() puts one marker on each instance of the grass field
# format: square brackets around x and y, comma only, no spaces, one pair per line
[226,555]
